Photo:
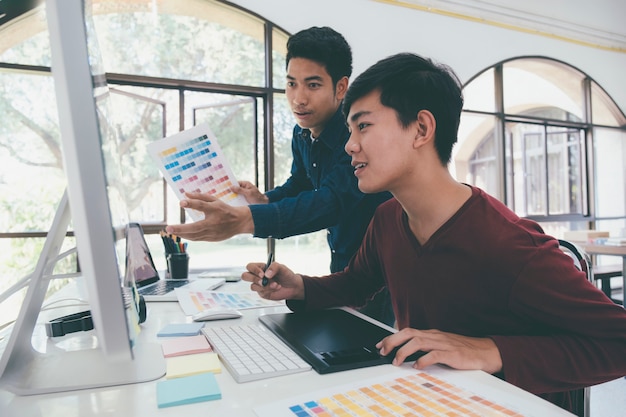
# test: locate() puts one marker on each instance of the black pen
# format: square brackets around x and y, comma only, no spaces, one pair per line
[270,257]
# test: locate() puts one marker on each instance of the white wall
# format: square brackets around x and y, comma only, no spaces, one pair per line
[376,30]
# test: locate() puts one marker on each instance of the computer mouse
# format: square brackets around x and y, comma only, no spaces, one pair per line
[217,314]
[411,358]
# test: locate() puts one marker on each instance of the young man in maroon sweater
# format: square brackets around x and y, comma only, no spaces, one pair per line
[471,283]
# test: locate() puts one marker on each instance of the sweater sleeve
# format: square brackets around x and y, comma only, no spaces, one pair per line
[352,287]
[585,338]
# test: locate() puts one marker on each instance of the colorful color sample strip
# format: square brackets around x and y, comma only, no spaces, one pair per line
[192,161]
[415,395]
[230,300]
[193,302]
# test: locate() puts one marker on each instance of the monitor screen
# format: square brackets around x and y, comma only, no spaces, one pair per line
[94,204]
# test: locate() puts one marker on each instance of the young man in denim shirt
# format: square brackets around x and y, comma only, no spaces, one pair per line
[322,191]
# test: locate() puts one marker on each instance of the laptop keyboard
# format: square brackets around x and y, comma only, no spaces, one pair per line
[251,352]
[162,287]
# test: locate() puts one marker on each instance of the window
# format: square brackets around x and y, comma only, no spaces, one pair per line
[170,65]
[548,141]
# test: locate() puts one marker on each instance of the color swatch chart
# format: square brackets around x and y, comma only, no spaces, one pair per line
[416,394]
[192,161]
[193,302]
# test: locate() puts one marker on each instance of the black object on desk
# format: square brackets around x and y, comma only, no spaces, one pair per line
[331,340]
[82,322]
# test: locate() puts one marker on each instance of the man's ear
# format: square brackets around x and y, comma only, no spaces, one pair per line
[341,88]
[426,125]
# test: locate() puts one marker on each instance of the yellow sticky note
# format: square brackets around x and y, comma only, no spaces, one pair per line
[179,366]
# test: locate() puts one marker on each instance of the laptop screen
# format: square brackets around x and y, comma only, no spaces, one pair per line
[139,264]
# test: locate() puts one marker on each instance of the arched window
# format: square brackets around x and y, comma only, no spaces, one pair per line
[545,139]
[170,65]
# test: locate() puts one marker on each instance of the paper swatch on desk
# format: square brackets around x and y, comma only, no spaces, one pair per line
[180,329]
[192,161]
[187,345]
[405,392]
[193,301]
[186,365]
[187,390]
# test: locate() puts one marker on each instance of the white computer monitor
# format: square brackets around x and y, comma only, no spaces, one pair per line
[94,205]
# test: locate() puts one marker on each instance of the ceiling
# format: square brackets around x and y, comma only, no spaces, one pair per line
[597,23]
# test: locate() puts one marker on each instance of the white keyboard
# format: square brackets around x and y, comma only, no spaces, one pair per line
[252,352]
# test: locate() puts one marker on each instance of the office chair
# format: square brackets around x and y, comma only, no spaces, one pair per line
[582,260]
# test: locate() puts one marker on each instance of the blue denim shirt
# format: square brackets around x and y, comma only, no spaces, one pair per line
[322,192]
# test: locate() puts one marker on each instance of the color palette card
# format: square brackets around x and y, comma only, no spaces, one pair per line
[192,161]
[187,390]
[407,392]
[180,366]
[188,345]
[193,302]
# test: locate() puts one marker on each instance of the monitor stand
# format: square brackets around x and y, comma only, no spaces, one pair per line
[26,371]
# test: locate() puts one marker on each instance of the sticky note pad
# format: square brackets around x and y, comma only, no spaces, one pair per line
[187,390]
[180,329]
[187,345]
[180,366]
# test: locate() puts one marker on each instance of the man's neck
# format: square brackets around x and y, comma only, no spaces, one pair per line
[431,209]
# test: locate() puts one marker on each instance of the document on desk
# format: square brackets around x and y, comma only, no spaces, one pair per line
[615,241]
[194,301]
[193,161]
[436,391]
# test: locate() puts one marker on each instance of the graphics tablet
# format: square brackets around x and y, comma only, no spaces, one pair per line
[331,340]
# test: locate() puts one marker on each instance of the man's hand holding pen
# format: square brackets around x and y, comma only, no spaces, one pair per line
[274,281]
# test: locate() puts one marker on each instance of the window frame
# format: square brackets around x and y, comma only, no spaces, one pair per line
[587,213]
[265,93]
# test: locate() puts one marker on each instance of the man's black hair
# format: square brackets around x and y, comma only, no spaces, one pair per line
[324,46]
[409,83]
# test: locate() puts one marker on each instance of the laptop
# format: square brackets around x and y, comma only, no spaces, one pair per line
[332,340]
[140,268]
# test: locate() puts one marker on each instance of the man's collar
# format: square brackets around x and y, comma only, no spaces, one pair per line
[330,136]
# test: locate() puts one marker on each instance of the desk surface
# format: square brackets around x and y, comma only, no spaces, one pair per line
[237,399]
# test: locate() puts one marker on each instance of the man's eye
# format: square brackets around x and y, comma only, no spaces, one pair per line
[314,85]
[362,126]
[290,83]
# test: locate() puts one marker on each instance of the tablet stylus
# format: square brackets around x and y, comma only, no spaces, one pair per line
[270,257]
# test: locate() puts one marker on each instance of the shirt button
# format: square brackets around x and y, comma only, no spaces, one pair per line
[314,165]
[333,251]
[328,232]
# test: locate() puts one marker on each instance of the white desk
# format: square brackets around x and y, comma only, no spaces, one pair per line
[237,399]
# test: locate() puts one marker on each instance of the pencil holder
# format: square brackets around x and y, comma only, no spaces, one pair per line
[178,265]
